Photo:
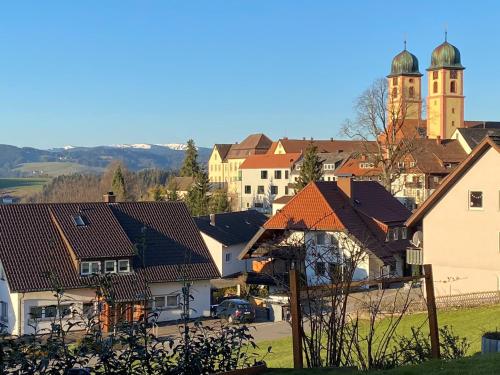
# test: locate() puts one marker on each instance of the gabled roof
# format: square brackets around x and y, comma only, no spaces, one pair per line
[223,149]
[352,167]
[482,124]
[453,177]
[270,161]
[40,238]
[251,145]
[232,228]
[326,146]
[323,206]
[474,136]
[432,155]
[283,199]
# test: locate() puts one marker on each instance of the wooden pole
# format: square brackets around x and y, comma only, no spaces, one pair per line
[298,362]
[432,311]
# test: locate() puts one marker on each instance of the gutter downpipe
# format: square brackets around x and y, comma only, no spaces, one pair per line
[21,314]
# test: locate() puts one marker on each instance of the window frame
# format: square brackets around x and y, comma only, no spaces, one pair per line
[128,265]
[260,190]
[274,189]
[264,174]
[114,266]
[469,194]
[277,174]
[90,263]
[227,258]
[248,189]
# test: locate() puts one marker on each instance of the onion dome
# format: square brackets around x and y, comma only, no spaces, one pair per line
[404,64]
[445,56]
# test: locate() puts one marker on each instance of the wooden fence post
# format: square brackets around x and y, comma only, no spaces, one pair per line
[432,311]
[296,319]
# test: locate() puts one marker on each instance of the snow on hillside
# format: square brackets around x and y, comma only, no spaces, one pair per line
[147,146]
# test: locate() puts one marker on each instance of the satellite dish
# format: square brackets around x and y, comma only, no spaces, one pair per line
[417,239]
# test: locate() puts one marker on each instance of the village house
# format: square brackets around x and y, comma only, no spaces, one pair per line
[226,234]
[335,219]
[470,137]
[461,225]
[147,248]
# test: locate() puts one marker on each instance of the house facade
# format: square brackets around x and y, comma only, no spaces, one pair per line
[333,221]
[461,225]
[136,254]
[226,235]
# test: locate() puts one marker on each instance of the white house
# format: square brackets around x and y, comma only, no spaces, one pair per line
[461,224]
[226,235]
[265,177]
[147,248]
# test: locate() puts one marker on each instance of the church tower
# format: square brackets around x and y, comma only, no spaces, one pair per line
[404,90]
[445,100]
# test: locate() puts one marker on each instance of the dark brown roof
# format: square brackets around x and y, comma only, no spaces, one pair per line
[474,136]
[283,199]
[433,156]
[223,149]
[183,183]
[251,145]
[449,181]
[32,243]
[327,146]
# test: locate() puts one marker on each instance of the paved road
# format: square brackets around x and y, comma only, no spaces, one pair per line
[260,331]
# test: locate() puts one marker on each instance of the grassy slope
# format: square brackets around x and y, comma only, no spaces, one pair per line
[470,323]
[20,187]
[477,365]
[54,169]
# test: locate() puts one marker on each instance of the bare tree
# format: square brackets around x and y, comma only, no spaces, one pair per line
[390,123]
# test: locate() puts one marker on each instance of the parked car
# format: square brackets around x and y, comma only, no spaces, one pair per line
[236,311]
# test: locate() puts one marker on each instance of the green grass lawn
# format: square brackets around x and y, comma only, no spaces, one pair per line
[56,168]
[20,187]
[470,323]
[477,365]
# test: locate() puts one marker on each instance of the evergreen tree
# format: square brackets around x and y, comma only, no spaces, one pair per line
[156,193]
[219,202]
[197,198]
[118,184]
[190,167]
[311,169]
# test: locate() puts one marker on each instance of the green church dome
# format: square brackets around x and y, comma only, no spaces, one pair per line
[404,63]
[445,55]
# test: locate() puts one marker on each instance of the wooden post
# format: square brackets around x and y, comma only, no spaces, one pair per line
[432,311]
[296,319]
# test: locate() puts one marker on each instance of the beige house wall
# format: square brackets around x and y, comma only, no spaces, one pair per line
[463,244]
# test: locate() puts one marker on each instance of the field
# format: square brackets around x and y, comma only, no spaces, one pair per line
[20,187]
[469,323]
[54,169]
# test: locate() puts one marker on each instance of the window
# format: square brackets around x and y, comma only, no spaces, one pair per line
[395,92]
[453,110]
[110,266]
[286,190]
[453,123]
[412,164]
[64,311]
[260,189]
[258,205]
[4,312]
[411,80]
[173,300]
[435,74]
[453,74]
[453,86]
[286,175]
[228,257]
[335,271]
[395,81]
[395,234]
[320,238]
[277,175]
[36,312]
[50,311]
[404,233]
[78,220]
[123,265]
[88,268]
[320,268]
[435,87]
[475,199]
[263,175]
[274,190]
[248,189]
[411,92]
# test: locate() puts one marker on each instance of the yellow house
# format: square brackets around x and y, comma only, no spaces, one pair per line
[225,160]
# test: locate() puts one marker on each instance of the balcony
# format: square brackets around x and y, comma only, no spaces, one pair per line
[414,256]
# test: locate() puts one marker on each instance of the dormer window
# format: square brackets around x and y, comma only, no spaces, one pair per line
[123,265]
[89,268]
[110,266]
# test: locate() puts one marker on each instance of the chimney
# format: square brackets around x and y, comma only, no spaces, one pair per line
[331,139]
[303,138]
[438,139]
[109,197]
[344,183]
[212,220]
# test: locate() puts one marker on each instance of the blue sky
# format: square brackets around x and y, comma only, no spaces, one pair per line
[105,72]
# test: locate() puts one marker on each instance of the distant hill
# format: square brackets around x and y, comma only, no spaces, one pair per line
[16,161]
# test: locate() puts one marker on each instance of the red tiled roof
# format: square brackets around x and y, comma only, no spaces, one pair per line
[327,146]
[270,161]
[352,167]
[251,145]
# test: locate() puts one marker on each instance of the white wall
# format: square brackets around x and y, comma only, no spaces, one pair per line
[219,251]
[200,304]
[462,244]
[5,296]
[252,178]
